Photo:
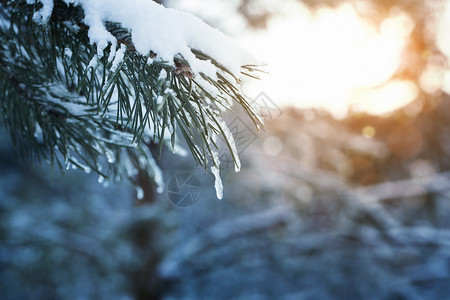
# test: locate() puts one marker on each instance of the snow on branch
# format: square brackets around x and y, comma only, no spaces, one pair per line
[165,31]
[141,68]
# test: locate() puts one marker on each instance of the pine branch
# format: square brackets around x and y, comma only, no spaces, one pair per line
[64,102]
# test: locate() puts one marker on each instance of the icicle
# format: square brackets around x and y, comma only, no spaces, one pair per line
[218,182]
[139,193]
[229,137]
[110,156]
[216,172]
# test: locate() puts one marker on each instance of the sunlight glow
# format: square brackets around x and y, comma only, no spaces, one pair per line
[390,96]
[443,43]
[332,59]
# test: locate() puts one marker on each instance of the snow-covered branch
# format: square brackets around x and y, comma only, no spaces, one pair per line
[139,69]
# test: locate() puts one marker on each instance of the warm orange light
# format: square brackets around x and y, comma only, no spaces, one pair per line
[368,132]
[333,59]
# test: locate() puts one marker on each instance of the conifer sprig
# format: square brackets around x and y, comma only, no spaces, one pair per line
[63,102]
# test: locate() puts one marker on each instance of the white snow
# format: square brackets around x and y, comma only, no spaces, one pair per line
[68,53]
[165,31]
[93,63]
[43,15]
[72,26]
[162,75]
[169,33]
[160,100]
[119,58]
[75,107]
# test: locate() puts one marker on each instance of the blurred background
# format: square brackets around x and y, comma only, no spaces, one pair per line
[344,195]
